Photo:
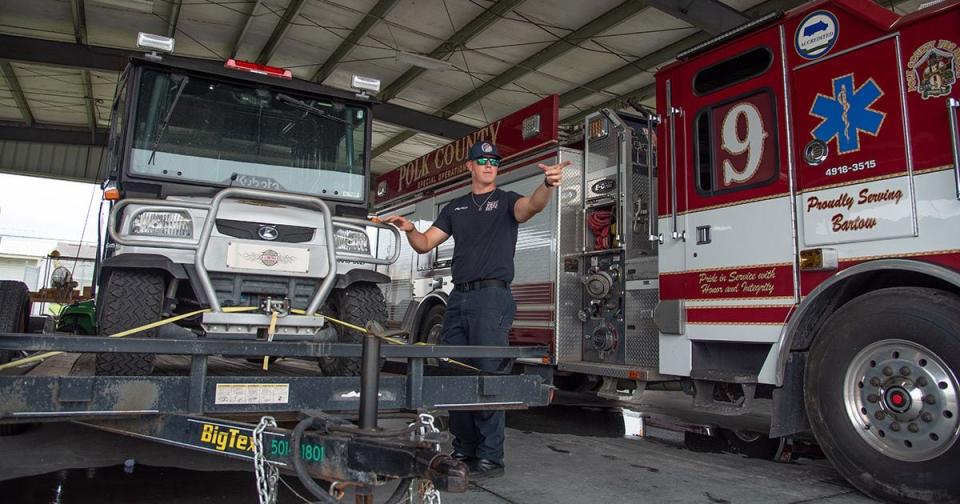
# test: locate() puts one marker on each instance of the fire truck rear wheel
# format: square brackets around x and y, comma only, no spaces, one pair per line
[357,304]
[129,299]
[431,329]
[881,393]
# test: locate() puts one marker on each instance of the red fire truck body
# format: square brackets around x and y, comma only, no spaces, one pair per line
[801,245]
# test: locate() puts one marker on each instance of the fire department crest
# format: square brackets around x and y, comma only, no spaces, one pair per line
[933,69]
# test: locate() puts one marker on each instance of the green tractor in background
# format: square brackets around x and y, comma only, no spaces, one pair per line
[78,318]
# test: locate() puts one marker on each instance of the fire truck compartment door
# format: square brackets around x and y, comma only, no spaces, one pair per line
[853,166]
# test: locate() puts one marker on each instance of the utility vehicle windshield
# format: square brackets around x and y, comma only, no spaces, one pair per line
[204,131]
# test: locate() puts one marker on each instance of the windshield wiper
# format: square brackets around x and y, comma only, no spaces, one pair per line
[307,107]
[181,81]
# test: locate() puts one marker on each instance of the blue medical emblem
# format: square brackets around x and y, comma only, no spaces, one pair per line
[847,113]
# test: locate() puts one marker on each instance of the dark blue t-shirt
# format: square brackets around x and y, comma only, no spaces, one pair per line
[484,230]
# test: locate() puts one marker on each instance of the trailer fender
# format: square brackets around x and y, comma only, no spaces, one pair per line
[351,277]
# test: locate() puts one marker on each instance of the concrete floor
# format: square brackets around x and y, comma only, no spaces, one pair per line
[557,455]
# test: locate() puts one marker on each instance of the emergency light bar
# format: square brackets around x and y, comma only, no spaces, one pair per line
[268,70]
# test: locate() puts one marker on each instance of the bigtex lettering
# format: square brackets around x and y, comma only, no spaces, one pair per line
[447,161]
[231,438]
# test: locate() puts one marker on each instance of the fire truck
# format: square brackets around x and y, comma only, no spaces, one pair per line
[781,231]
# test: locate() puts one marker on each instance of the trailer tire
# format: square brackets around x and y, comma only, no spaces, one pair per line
[14,312]
[357,304]
[130,299]
[869,365]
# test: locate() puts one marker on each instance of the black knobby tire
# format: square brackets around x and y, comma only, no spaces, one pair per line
[14,311]
[130,299]
[14,318]
[752,444]
[909,318]
[357,304]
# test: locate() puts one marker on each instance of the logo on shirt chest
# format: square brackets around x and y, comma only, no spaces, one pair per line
[491,205]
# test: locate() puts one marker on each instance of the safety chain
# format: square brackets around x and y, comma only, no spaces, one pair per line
[425,424]
[267,474]
[422,491]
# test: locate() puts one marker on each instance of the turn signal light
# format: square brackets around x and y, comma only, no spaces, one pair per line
[111,194]
[819,259]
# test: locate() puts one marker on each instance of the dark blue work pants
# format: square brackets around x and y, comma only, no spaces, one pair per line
[479,317]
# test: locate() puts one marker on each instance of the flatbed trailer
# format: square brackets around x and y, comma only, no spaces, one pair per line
[205,396]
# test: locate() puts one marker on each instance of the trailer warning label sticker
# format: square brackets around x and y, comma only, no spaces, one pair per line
[252,393]
[816,34]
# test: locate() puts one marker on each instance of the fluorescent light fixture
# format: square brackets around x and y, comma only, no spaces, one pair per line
[155,42]
[365,84]
[424,61]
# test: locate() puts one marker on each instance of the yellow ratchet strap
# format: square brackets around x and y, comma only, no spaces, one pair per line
[128,332]
[270,332]
[388,339]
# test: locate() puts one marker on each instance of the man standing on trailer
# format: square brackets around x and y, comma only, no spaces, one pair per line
[480,310]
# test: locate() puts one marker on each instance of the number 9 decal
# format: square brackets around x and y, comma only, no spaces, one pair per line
[750,143]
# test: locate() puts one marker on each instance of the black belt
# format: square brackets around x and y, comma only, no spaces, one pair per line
[479,284]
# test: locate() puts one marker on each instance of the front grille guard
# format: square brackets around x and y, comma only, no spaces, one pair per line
[200,245]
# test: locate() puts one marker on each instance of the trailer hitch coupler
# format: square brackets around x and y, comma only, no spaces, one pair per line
[370,376]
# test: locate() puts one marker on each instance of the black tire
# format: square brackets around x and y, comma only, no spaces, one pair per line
[357,304]
[130,299]
[14,312]
[431,328]
[855,349]
[752,444]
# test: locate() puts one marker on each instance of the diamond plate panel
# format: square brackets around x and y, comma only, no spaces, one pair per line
[569,235]
[642,343]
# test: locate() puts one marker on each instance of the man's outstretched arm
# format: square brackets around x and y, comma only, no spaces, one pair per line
[421,242]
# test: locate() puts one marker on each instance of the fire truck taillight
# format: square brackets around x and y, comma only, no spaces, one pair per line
[818,259]
[246,66]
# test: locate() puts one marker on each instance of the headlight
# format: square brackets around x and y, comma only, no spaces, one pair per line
[162,223]
[351,240]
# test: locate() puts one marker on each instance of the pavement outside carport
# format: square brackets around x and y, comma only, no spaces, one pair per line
[562,454]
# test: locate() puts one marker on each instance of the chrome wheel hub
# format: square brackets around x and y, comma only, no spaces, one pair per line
[902,399]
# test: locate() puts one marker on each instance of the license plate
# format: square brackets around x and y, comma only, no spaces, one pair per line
[268,258]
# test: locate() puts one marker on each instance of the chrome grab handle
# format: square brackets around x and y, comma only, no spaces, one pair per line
[672,112]
[952,104]
[652,216]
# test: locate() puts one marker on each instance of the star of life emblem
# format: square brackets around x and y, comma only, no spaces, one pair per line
[847,113]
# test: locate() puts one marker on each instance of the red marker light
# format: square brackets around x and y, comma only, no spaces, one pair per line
[246,66]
